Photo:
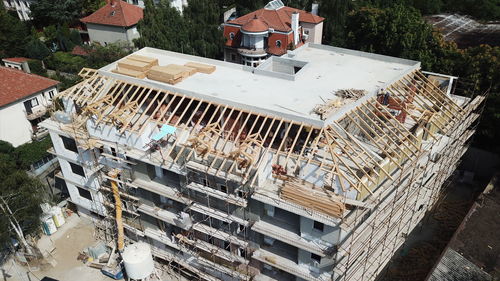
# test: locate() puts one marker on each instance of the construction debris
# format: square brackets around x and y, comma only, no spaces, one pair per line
[327,109]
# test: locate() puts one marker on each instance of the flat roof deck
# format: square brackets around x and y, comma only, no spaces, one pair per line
[327,69]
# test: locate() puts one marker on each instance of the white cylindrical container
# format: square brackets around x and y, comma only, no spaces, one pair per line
[48,225]
[58,216]
[138,261]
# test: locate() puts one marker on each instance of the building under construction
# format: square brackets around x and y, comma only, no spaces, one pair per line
[312,166]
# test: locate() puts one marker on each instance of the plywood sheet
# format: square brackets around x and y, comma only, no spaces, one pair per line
[204,68]
[134,65]
[186,70]
[151,61]
[129,72]
[166,72]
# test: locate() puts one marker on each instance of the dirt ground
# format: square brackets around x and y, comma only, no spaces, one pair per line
[69,240]
[424,245]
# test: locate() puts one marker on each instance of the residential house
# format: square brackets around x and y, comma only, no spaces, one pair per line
[114,22]
[17,63]
[24,99]
[272,30]
[22,7]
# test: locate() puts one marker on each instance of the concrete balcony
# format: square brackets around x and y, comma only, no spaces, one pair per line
[252,52]
[172,218]
[230,198]
[161,189]
[288,237]
[288,265]
[161,236]
[220,234]
[214,213]
[212,249]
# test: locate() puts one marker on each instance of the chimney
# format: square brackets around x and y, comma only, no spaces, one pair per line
[295,28]
[314,8]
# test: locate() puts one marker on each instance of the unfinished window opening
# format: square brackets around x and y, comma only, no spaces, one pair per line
[113,151]
[316,258]
[318,226]
[77,169]
[69,144]
[84,193]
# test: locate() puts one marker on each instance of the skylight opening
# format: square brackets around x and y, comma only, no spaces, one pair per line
[274,5]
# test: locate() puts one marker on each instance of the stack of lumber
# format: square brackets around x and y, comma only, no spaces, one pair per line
[200,67]
[151,61]
[135,66]
[171,74]
[315,199]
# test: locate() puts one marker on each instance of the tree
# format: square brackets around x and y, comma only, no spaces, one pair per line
[36,49]
[396,31]
[162,27]
[244,7]
[55,12]
[202,17]
[13,34]
[20,199]
[99,56]
[335,13]
[90,6]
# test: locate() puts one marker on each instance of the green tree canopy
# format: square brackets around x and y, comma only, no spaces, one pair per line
[197,31]
[36,49]
[56,12]
[396,31]
[13,35]
[21,193]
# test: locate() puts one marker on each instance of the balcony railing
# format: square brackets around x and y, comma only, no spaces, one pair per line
[252,52]
[36,113]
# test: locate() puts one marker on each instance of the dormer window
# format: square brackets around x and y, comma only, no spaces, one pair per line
[231,35]
[278,43]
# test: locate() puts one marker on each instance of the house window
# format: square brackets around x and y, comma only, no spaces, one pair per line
[231,35]
[278,43]
[318,226]
[77,169]
[315,258]
[84,193]
[34,102]
[69,144]
[223,188]
[51,94]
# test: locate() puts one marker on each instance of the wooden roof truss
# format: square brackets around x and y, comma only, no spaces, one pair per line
[352,148]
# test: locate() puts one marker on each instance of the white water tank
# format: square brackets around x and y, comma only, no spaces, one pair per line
[138,261]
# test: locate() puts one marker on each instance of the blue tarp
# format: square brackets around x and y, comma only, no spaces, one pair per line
[164,131]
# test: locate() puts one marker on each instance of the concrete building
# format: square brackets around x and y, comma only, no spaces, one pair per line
[312,166]
[114,22]
[24,99]
[22,7]
[272,30]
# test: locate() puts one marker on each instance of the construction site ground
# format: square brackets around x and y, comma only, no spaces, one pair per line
[69,241]
[418,255]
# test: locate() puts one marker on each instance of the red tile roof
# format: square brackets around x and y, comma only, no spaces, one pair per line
[17,84]
[255,25]
[79,51]
[117,13]
[279,19]
[18,59]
